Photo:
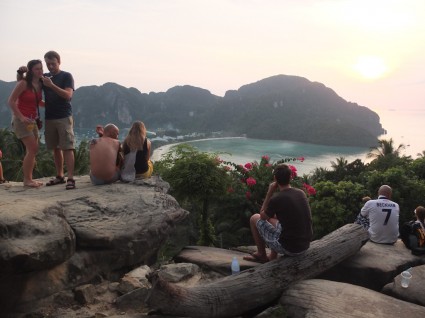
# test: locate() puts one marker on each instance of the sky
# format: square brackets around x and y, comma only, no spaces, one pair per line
[370,52]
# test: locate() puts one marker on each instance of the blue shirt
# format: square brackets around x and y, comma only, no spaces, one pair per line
[56,106]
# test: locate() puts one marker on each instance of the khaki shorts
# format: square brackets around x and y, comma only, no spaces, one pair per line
[59,133]
[23,130]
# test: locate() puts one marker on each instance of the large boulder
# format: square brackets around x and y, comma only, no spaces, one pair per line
[414,293]
[52,239]
[375,265]
[323,299]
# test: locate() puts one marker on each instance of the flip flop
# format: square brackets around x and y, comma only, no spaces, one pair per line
[34,184]
[255,258]
[3,181]
[70,184]
[55,181]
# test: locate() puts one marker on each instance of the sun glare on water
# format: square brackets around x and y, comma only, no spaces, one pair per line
[370,67]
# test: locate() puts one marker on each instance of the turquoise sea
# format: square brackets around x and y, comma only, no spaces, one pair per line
[403,126]
[243,150]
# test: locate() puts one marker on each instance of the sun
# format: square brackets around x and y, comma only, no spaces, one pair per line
[370,67]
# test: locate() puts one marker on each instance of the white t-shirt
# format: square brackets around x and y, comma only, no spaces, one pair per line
[383,217]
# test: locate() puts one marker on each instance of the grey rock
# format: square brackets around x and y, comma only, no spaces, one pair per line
[85,294]
[177,272]
[134,279]
[34,234]
[375,265]
[414,293]
[328,299]
[64,298]
[134,300]
[52,239]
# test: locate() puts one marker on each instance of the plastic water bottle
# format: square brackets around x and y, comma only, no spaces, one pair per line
[235,266]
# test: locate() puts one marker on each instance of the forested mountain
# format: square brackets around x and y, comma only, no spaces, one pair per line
[279,107]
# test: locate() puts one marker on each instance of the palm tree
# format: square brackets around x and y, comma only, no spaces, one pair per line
[384,149]
[421,154]
[340,164]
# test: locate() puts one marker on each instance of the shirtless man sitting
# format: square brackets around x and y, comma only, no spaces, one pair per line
[104,154]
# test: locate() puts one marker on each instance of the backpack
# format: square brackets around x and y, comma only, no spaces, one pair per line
[420,234]
[413,236]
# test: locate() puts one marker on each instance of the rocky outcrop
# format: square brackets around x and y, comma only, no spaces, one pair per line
[52,239]
[72,249]
[414,293]
[375,265]
[324,298]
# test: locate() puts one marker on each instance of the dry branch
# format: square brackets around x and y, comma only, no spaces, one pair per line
[252,288]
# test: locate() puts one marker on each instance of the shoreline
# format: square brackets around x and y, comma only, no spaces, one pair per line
[159,152]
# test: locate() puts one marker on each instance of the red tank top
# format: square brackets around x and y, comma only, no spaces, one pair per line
[27,103]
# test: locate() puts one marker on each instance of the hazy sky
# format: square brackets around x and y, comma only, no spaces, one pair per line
[371,52]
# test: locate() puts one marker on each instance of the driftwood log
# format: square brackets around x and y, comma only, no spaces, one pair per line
[256,287]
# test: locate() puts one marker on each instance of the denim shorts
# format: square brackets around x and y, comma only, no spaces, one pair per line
[97,181]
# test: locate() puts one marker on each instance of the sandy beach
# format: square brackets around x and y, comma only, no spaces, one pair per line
[159,152]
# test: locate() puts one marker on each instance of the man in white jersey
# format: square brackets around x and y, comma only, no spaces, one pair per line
[383,215]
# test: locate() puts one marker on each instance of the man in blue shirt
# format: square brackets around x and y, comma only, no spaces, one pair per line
[58,89]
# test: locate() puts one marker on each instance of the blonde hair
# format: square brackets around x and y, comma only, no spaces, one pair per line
[136,136]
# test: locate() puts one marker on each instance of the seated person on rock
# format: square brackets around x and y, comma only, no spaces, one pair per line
[136,149]
[412,233]
[105,154]
[380,217]
[284,223]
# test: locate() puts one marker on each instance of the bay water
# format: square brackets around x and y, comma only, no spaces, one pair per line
[404,126]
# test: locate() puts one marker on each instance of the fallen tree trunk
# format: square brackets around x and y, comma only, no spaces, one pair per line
[252,288]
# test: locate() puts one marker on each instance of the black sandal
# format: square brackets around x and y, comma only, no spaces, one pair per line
[70,184]
[55,181]
[3,181]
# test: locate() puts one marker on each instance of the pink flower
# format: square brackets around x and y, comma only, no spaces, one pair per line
[294,171]
[230,190]
[227,168]
[218,160]
[248,165]
[301,159]
[251,182]
[248,195]
[268,165]
[265,158]
[310,190]
[242,169]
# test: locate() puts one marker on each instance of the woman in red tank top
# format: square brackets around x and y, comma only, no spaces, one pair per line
[23,102]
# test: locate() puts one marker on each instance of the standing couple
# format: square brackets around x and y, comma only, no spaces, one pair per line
[110,162]
[25,99]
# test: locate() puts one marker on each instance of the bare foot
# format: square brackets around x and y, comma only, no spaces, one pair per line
[272,255]
[33,184]
[255,257]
